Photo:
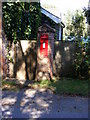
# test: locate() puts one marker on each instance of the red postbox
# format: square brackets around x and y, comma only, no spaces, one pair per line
[44,44]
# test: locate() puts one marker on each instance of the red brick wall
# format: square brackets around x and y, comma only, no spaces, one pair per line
[63,60]
[0,26]
[4,60]
[3,49]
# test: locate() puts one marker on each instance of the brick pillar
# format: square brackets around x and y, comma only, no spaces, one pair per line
[45,62]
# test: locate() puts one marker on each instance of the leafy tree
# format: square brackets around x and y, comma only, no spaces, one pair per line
[21,20]
[75,25]
[35,17]
[87,15]
[87,12]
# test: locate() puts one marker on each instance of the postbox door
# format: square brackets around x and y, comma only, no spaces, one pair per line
[44,44]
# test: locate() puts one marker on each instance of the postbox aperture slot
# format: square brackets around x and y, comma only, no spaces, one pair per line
[43,44]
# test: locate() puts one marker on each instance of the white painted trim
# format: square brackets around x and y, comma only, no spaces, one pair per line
[59,32]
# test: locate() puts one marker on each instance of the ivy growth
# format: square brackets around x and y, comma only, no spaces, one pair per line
[21,20]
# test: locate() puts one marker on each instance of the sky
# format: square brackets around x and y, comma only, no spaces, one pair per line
[64,5]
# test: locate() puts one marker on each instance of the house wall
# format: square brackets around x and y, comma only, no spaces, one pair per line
[57,31]
[48,21]
[62,34]
[26,59]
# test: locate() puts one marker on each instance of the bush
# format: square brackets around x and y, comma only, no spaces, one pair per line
[82,62]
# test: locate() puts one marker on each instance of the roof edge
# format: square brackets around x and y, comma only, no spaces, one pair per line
[59,19]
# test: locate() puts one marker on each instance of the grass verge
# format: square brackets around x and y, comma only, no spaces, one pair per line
[66,86]
[10,85]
